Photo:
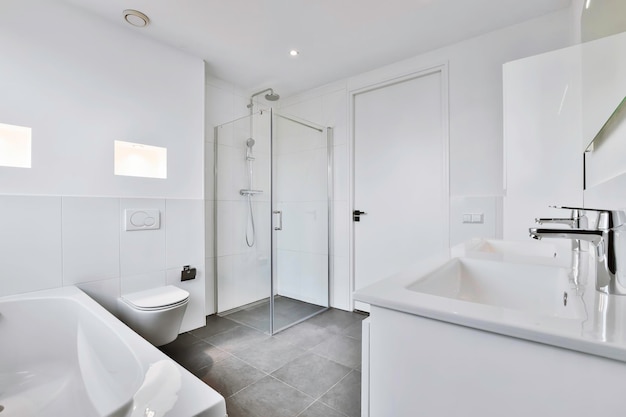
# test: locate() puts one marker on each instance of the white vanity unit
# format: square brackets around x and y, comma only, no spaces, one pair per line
[500,329]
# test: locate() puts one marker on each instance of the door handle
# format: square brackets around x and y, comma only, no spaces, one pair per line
[356,215]
[280,220]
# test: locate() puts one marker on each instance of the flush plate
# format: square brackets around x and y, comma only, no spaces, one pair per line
[142,219]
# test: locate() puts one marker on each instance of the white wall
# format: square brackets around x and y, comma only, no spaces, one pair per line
[82,83]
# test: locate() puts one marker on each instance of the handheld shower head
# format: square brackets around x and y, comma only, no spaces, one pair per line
[250,143]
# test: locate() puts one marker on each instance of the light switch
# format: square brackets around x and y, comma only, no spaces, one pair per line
[477,218]
[142,219]
[467,218]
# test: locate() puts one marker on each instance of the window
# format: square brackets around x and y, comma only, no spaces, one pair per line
[15,146]
[138,160]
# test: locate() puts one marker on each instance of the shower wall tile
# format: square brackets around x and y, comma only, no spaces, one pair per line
[195,312]
[310,109]
[184,240]
[231,173]
[304,177]
[304,219]
[304,276]
[231,227]
[243,279]
[30,244]
[91,239]
[142,251]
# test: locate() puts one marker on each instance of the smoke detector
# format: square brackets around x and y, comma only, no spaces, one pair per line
[136,18]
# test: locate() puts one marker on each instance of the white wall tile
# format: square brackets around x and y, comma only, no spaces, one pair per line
[461,232]
[340,283]
[305,227]
[341,179]
[91,239]
[341,228]
[142,251]
[30,244]
[140,282]
[105,292]
[209,294]
[184,232]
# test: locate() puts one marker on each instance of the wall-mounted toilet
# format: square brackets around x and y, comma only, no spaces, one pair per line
[156,314]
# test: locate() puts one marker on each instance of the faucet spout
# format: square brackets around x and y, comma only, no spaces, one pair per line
[593,236]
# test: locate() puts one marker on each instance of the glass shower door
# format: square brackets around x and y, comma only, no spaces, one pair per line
[301,178]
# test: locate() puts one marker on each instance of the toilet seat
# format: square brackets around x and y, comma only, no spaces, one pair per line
[160,298]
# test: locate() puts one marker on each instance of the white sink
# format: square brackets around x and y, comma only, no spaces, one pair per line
[531,251]
[534,288]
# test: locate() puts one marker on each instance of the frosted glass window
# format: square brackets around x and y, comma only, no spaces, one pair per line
[15,143]
[138,160]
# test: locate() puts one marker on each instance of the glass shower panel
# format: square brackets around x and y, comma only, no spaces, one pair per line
[300,206]
[242,227]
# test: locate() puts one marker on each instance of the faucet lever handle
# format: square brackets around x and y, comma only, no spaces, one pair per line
[607,219]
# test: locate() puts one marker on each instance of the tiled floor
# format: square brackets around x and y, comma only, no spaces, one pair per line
[309,370]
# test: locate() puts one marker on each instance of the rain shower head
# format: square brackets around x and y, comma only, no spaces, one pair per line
[250,143]
[272,96]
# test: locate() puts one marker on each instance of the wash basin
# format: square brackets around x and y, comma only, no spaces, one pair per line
[531,251]
[534,288]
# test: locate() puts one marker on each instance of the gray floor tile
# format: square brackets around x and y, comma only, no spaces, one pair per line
[269,354]
[236,338]
[195,356]
[214,325]
[354,331]
[341,349]
[267,397]
[336,320]
[312,374]
[305,335]
[230,376]
[346,395]
[319,409]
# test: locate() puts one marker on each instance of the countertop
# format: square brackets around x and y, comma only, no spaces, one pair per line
[599,329]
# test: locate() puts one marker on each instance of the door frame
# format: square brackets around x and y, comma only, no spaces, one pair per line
[381,82]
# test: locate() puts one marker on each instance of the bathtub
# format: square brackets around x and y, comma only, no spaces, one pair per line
[62,354]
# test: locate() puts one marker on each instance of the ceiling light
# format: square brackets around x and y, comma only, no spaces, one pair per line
[293,52]
[136,18]
[587,4]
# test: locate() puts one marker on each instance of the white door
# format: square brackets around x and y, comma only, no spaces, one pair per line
[400,176]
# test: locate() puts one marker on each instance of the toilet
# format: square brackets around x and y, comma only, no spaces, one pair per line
[155,314]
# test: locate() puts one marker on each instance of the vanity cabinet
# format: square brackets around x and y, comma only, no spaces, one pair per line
[418,366]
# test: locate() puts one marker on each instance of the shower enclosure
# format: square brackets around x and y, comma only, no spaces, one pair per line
[272,219]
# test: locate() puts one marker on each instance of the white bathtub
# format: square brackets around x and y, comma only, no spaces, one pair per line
[62,354]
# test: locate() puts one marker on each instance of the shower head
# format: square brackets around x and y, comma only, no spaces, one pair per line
[272,96]
[250,143]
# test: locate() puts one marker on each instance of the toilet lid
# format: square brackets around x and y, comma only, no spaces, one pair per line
[156,298]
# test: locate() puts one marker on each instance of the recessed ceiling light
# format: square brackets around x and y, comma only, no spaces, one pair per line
[587,4]
[293,52]
[136,18]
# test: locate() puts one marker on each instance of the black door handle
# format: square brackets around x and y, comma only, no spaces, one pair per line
[356,215]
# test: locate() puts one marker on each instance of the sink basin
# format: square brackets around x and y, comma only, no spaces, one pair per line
[531,251]
[526,287]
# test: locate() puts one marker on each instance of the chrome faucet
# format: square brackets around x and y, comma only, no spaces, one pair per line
[577,220]
[605,237]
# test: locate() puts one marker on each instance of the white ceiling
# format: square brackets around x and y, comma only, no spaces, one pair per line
[247,42]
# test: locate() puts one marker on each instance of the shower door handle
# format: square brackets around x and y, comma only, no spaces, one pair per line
[280,220]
